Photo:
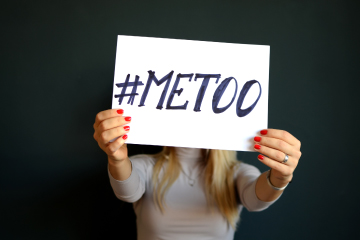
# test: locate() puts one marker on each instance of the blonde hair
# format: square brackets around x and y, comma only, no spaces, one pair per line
[219,167]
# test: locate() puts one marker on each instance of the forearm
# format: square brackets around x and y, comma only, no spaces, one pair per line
[120,170]
[265,192]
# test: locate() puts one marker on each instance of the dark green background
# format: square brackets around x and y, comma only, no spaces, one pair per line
[57,67]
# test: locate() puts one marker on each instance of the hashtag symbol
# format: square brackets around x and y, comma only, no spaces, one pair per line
[125,85]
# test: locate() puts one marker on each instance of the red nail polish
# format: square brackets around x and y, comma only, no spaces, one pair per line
[257,146]
[263,132]
[120,111]
[128,119]
[127,128]
[124,137]
[257,139]
[261,157]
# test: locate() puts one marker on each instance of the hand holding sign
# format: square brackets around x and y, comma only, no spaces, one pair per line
[281,152]
[111,124]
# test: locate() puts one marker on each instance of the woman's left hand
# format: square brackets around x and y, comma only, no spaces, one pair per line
[274,145]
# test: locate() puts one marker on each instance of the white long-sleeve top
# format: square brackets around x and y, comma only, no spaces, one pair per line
[187,215]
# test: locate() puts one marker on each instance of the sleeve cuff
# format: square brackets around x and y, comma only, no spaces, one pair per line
[129,189]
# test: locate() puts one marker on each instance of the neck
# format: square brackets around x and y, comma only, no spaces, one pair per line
[189,156]
[183,152]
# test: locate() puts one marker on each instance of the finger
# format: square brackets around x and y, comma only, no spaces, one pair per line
[277,144]
[282,168]
[116,145]
[111,134]
[282,135]
[112,123]
[275,154]
[110,113]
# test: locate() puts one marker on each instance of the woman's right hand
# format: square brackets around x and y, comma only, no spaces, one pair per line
[111,124]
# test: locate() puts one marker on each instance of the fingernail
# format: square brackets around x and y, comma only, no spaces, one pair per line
[261,157]
[263,132]
[128,119]
[257,146]
[127,128]
[120,111]
[124,137]
[257,139]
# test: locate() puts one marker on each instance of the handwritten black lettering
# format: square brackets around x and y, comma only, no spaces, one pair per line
[218,94]
[243,112]
[125,85]
[203,88]
[152,78]
[175,90]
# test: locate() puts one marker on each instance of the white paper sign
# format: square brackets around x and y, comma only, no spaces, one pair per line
[192,93]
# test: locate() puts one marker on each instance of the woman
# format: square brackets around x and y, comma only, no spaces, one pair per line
[189,193]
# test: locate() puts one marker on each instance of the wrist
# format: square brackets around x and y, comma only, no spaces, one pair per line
[120,170]
[277,183]
[279,180]
[116,163]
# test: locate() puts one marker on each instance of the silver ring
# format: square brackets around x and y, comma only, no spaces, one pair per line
[285,159]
